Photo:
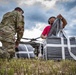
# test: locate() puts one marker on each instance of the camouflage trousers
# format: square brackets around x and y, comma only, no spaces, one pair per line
[8,45]
[7,50]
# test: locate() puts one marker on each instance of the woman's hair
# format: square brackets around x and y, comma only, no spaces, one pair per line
[50,18]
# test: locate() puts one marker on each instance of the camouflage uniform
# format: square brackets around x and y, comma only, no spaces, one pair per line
[12,23]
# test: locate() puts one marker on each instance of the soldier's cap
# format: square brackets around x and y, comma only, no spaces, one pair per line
[18,8]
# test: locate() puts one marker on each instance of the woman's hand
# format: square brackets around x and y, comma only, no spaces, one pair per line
[60,16]
[63,20]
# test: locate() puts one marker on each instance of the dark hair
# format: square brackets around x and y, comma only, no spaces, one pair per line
[50,18]
[18,8]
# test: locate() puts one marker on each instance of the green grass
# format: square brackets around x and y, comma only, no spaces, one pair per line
[37,67]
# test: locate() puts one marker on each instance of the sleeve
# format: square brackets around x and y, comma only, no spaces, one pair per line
[44,31]
[20,26]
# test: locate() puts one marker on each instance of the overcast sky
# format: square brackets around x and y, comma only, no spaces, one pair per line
[37,12]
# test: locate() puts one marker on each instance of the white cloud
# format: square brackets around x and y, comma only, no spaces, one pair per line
[40,26]
[49,4]
[45,3]
[74,21]
[27,2]
[65,0]
[4,2]
[34,32]
[73,11]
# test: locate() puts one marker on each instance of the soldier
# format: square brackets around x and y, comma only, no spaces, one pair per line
[11,24]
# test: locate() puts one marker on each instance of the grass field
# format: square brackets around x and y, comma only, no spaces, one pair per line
[37,67]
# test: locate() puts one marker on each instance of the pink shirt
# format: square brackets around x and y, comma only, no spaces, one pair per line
[46,30]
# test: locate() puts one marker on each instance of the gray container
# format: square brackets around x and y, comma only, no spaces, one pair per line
[57,48]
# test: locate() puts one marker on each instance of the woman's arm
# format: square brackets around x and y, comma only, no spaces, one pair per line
[63,20]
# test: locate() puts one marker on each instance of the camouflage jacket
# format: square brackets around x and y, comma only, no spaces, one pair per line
[13,23]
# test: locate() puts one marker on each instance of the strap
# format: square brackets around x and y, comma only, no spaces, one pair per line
[68,44]
[57,25]
[69,49]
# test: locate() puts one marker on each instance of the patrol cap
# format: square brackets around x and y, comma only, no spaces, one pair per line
[18,8]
